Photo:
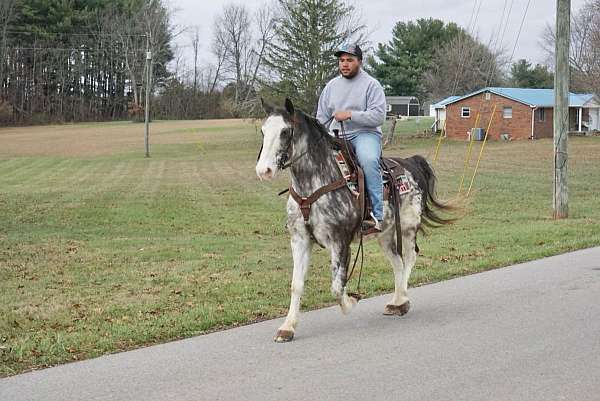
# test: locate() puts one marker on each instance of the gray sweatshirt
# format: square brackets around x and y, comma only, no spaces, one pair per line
[362,95]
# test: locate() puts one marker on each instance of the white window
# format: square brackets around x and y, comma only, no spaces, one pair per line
[465,112]
[507,112]
[388,108]
[488,95]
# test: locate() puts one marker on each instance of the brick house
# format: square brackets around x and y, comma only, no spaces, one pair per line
[520,113]
[438,111]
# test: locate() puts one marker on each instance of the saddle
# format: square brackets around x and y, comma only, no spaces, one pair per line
[395,184]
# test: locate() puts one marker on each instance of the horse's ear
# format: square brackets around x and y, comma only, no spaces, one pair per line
[267,107]
[289,106]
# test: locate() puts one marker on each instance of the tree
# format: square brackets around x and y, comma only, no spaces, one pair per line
[195,37]
[461,66]
[239,50]
[7,8]
[400,64]
[585,47]
[79,60]
[300,58]
[523,75]
[233,27]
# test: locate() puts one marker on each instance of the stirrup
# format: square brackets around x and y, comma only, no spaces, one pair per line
[370,226]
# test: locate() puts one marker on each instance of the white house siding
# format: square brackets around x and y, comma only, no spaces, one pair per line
[440,118]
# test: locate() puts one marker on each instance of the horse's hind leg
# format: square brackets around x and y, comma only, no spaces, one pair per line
[301,248]
[399,304]
[410,218]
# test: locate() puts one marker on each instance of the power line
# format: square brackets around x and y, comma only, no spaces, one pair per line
[520,28]
[470,30]
[78,49]
[507,19]
[29,32]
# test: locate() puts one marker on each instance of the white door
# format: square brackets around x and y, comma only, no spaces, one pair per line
[595,119]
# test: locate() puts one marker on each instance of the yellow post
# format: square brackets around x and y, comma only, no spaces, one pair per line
[437,148]
[487,131]
[468,157]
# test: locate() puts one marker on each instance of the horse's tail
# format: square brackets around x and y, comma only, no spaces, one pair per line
[430,204]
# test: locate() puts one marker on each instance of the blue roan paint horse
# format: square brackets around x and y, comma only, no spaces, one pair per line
[291,136]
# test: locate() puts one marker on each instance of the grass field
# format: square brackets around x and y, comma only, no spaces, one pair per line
[103,250]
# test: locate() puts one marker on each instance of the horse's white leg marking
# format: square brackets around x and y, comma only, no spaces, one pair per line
[387,241]
[339,271]
[410,218]
[301,249]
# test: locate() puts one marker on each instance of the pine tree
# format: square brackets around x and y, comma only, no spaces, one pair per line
[401,63]
[524,75]
[301,58]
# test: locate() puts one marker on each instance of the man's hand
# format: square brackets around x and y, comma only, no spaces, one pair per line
[342,115]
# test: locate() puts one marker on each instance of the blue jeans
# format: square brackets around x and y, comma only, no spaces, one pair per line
[367,146]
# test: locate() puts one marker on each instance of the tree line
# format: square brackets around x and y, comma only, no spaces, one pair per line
[79,60]
[85,60]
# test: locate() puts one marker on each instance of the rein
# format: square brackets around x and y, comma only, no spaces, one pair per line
[289,164]
[360,244]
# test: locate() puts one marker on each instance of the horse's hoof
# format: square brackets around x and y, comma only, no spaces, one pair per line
[397,310]
[284,336]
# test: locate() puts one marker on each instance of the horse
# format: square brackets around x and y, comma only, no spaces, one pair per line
[291,138]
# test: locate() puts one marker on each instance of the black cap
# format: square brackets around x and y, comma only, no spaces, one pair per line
[350,49]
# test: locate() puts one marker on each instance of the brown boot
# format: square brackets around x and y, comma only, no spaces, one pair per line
[371,226]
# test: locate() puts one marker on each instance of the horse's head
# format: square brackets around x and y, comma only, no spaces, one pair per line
[278,132]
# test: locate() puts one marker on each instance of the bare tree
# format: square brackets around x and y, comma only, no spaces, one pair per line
[461,66]
[220,51]
[585,47]
[195,47]
[265,21]
[233,27]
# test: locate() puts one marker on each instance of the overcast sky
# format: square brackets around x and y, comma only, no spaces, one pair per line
[380,17]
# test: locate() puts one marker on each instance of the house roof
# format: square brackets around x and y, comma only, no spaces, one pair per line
[401,100]
[445,101]
[532,97]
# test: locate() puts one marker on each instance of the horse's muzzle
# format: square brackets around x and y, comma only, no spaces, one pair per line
[265,171]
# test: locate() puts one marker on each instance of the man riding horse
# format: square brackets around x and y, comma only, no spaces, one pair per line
[356,101]
[322,209]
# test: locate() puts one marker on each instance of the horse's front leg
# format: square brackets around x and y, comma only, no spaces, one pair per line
[301,249]
[340,259]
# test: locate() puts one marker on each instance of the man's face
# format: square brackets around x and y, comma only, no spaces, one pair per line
[349,65]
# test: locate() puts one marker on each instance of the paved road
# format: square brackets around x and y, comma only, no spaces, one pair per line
[526,332]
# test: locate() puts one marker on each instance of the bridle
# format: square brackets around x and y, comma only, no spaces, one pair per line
[283,163]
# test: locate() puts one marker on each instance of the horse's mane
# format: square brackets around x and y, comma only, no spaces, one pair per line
[312,124]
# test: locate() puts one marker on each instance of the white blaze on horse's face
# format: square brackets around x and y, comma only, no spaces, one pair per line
[272,147]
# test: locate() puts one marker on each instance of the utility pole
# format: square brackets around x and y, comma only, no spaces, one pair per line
[561,108]
[148,90]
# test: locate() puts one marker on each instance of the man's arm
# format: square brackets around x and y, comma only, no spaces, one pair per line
[374,115]
[323,113]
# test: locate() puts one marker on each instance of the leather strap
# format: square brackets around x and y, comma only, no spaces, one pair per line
[306,202]
[395,199]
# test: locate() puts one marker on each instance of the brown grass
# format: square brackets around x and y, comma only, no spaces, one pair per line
[95,139]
